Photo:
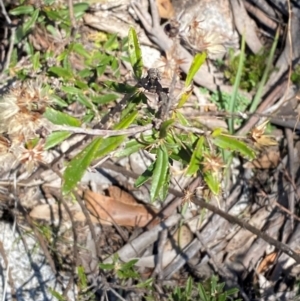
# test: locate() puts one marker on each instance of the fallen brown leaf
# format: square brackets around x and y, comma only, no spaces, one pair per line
[266,263]
[269,159]
[165,9]
[110,211]
[121,195]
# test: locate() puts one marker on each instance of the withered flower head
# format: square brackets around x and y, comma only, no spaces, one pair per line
[198,39]
[21,110]
[213,163]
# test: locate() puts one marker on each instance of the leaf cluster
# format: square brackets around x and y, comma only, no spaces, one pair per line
[253,69]
[211,290]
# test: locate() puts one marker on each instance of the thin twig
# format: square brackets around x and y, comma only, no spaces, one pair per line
[103,133]
[12,36]
[232,219]
[189,129]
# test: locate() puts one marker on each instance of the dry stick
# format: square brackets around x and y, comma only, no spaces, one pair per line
[88,219]
[104,133]
[271,98]
[232,219]
[75,249]
[244,25]
[159,257]
[261,15]
[287,211]
[291,162]
[6,263]
[12,37]
[72,18]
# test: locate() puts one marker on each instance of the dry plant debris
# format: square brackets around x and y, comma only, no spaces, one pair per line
[82,103]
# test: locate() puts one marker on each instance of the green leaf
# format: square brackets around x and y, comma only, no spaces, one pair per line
[111,143]
[56,295]
[198,61]
[236,85]
[145,176]
[231,143]
[185,96]
[212,182]
[232,291]
[126,121]
[213,284]
[56,138]
[105,98]
[60,118]
[36,61]
[59,101]
[129,264]
[111,43]
[79,9]
[163,193]
[164,128]
[202,293]
[107,266]
[79,48]
[61,72]
[189,286]
[21,10]
[145,284]
[28,24]
[135,53]
[131,147]
[78,165]
[262,83]
[182,119]
[84,101]
[82,277]
[71,90]
[160,172]
[196,157]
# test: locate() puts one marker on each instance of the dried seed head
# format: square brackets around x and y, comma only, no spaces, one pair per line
[197,39]
[21,111]
[213,164]
[31,155]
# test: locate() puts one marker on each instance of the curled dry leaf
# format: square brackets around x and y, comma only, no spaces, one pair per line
[110,211]
[165,9]
[266,160]
[266,263]
[260,138]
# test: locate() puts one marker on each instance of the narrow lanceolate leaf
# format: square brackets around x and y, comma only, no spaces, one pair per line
[112,143]
[164,128]
[28,24]
[145,176]
[79,164]
[62,72]
[131,147]
[159,177]
[56,138]
[198,61]
[60,118]
[202,293]
[212,182]
[233,144]
[195,159]
[236,85]
[135,53]
[22,10]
